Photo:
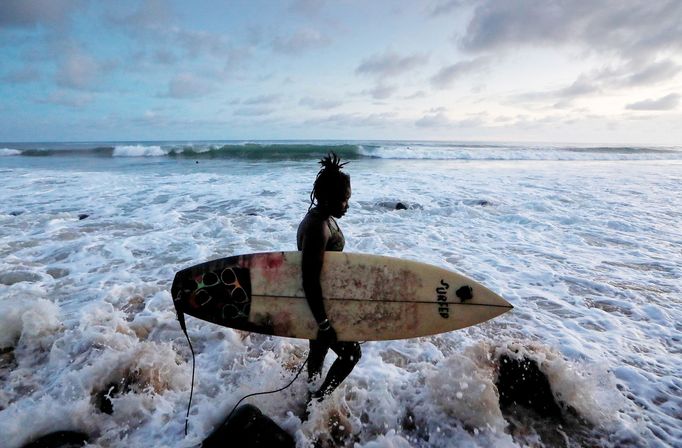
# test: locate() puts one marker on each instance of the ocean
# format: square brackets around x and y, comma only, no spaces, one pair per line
[583,240]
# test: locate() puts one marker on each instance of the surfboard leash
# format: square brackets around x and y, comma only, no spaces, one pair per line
[271,391]
[181,319]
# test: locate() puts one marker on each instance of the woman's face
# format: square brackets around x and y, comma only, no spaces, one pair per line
[339,207]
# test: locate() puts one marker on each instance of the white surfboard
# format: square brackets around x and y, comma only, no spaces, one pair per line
[367,297]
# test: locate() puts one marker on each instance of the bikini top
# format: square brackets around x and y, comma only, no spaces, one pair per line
[336,239]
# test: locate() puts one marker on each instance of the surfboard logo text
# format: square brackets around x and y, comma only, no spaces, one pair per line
[442,299]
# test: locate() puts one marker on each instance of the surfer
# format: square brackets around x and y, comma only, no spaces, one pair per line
[317,233]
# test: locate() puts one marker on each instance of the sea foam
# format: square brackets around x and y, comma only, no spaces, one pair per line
[138,151]
[85,303]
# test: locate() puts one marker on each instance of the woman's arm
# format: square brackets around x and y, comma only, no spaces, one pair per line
[313,246]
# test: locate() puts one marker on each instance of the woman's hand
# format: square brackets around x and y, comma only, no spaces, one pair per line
[327,333]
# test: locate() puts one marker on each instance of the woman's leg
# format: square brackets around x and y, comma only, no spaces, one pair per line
[349,354]
[318,350]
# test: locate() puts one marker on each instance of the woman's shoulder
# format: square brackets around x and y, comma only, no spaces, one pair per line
[313,220]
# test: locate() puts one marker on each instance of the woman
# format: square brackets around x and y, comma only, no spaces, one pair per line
[317,233]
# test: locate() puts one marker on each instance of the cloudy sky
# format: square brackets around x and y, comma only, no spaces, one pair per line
[514,70]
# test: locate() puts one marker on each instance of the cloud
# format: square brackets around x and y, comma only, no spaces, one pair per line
[580,87]
[67,98]
[78,70]
[382,120]
[187,85]
[654,73]
[309,8]
[629,29]
[198,43]
[262,99]
[438,118]
[434,120]
[446,76]
[161,40]
[416,95]
[29,13]
[151,15]
[668,102]
[597,82]
[255,111]
[380,91]
[443,7]
[319,104]
[390,64]
[562,97]
[299,42]
[26,74]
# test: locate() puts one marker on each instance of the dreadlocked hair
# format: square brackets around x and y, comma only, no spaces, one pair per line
[331,183]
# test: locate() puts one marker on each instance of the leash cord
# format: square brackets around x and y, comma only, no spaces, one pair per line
[272,391]
[191,391]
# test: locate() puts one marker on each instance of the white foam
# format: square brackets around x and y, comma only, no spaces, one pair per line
[24,320]
[9,152]
[138,151]
[445,151]
[590,262]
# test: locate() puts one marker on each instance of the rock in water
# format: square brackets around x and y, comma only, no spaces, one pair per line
[60,439]
[249,427]
[522,382]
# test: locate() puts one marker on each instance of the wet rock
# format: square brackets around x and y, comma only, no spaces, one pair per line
[340,429]
[400,206]
[103,398]
[57,272]
[7,363]
[477,203]
[249,427]
[521,382]
[82,216]
[16,213]
[60,439]
[12,277]
[134,306]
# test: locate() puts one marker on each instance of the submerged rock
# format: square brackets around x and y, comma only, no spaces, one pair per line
[102,399]
[521,382]
[11,277]
[249,427]
[60,439]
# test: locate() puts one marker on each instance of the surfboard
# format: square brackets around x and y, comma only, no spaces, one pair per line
[367,297]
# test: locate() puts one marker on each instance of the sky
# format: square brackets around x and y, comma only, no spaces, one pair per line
[590,71]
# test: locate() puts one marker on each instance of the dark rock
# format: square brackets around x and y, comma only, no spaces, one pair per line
[521,382]
[16,213]
[82,216]
[60,439]
[248,427]
[400,206]
[103,398]
[7,363]
[484,203]
[12,277]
